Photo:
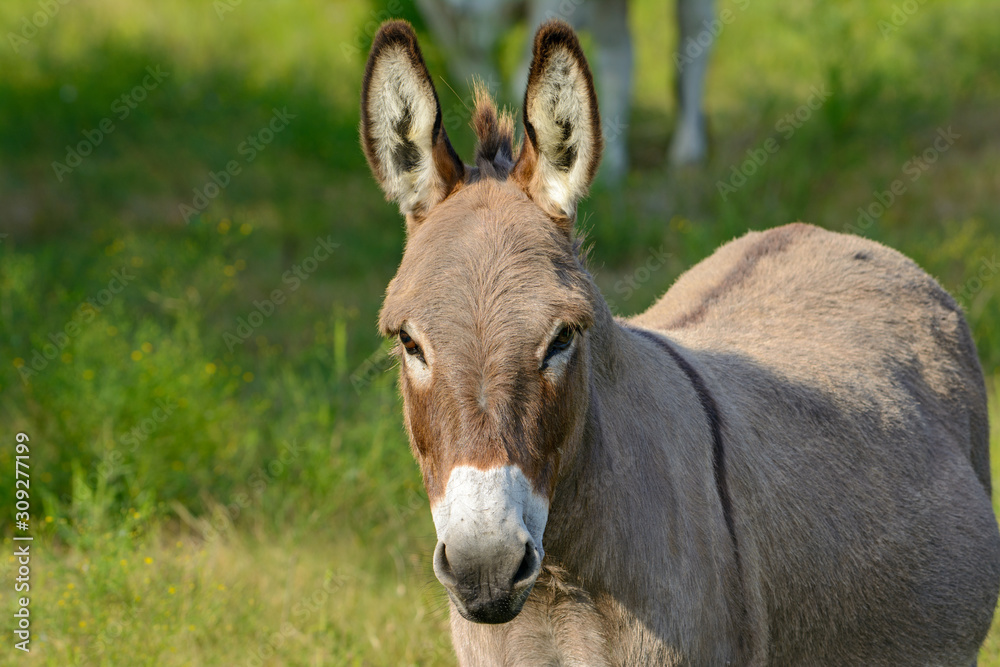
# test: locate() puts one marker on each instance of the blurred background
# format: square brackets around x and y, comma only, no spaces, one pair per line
[193,254]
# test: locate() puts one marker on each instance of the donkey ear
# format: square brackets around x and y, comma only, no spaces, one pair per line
[401,132]
[561,122]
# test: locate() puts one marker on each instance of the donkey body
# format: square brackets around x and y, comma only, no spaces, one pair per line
[843,388]
[783,462]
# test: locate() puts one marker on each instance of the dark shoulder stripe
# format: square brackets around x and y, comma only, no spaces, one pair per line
[773,242]
[711,410]
[745,640]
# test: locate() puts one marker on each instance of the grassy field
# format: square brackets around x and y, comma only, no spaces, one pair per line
[219,473]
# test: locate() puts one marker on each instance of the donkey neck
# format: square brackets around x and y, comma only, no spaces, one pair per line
[643,509]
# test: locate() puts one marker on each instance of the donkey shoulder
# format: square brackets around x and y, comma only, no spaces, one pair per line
[840,315]
[797,294]
[796,266]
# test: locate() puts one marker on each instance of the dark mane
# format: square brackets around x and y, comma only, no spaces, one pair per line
[495,148]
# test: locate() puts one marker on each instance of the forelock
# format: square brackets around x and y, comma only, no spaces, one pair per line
[495,148]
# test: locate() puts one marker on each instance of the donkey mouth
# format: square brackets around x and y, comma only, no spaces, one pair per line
[490,591]
[491,610]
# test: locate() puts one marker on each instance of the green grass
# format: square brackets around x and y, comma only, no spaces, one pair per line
[253,471]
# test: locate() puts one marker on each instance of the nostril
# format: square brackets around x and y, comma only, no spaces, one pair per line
[528,567]
[442,568]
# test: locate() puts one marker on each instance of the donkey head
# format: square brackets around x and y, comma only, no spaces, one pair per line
[490,306]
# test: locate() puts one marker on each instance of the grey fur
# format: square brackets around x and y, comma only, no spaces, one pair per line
[854,418]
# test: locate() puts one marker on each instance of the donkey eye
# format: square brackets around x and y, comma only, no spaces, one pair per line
[410,345]
[562,341]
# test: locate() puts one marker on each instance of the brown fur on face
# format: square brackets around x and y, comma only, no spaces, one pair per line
[484,280]
[490,265]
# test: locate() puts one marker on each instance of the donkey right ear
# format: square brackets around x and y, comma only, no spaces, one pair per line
[561,123]
[401,132]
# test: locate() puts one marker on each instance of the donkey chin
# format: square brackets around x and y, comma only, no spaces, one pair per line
[489,551]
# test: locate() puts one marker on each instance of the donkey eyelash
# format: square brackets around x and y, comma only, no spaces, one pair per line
[562,341]
[410,346]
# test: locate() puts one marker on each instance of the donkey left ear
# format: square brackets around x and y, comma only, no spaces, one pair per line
[401,132]
[562,124]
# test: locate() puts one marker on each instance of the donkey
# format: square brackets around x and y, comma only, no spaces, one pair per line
[469,31]
[782,462]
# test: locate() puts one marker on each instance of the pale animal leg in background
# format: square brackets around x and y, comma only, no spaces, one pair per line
[468,31]
[607,21]
[609,25]
[690,142]
[537,12]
